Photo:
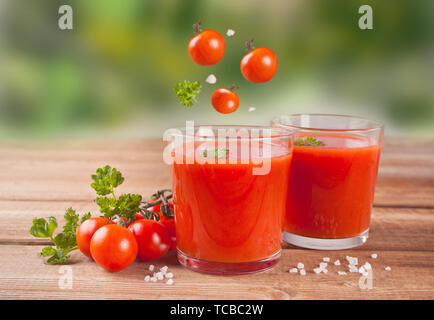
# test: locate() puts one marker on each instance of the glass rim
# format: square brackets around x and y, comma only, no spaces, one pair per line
[376,125]
[277,132]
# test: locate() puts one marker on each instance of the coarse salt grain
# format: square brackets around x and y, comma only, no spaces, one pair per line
[151,267]
[211,79]
[317,270]
[153,279]
[293,270]
[323,265]
[353,268]
[147,278]
[159,276]
[326,259]
[337,263]
[169,282]
[164,269]
[374,256]
[300,265]
[230,32]
[303,272]
[388,268]
[169,275]
[352,260]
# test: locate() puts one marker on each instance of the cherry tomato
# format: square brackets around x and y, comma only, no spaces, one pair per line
[225,100]
[206,48]
[152,238]
[85,232]
[113,247]
[169,223]
[259,65]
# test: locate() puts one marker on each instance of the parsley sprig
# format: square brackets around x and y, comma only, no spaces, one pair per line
[308,141]
[125,206]
[64,242]
[187,91]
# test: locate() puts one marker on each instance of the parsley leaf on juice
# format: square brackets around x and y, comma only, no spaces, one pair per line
[308,141]
[217,153]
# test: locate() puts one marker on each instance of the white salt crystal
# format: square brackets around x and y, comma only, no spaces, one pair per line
[169,282]
[388,268]
[211,79]
[252,109]
[325,270]
[326,259]
[159,276]
[151,267]
[230,32]
[300,265]
[303,272]
[169,275]
[374,256]
[337,263]
[353,268]
[293,270]
[153,279]
[342,273]
[323,265]
[147,278]
[317,270]
[352,260]
[164,269]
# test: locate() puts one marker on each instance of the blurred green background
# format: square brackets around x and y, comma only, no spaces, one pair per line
[112,76]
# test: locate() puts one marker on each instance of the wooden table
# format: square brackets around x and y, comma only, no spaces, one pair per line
[43,179]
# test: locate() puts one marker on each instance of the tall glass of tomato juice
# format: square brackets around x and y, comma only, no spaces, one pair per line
[332,179]
[229,193]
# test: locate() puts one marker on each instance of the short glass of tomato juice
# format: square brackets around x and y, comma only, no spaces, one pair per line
[229,192]
[332,179]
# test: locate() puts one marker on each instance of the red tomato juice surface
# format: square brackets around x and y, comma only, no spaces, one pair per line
[224,213]
[331,187]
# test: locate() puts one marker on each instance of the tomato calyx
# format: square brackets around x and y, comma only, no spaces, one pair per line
[250,45]
[197,28]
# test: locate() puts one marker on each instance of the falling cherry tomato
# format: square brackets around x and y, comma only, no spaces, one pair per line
[206,47]
[259,65]
[225,100]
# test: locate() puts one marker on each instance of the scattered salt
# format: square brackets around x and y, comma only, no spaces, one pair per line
[151,267]
[337,263]
[300,265]
[302,272]
[352,260]
[293,270]
[230,32]
[326,259]
[353,268]
[164,269]
[169,275]
[147,278]
[169,282]
[374,256]
[211,79]
[159,276]
[153,279]
[323,265]
[317,270]
[388,268]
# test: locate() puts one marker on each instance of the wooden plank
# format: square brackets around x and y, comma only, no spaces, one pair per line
[391,228]
[61,171]
[25,276]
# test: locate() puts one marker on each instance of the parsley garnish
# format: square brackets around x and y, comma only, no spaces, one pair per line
[64,241]
[187,91]
[217,153]
[125,207]
[308,141]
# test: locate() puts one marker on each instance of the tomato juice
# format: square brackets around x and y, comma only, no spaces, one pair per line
[225,213]
[331,187]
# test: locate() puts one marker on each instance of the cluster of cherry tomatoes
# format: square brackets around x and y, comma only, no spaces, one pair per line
[258,65]
[114,247]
